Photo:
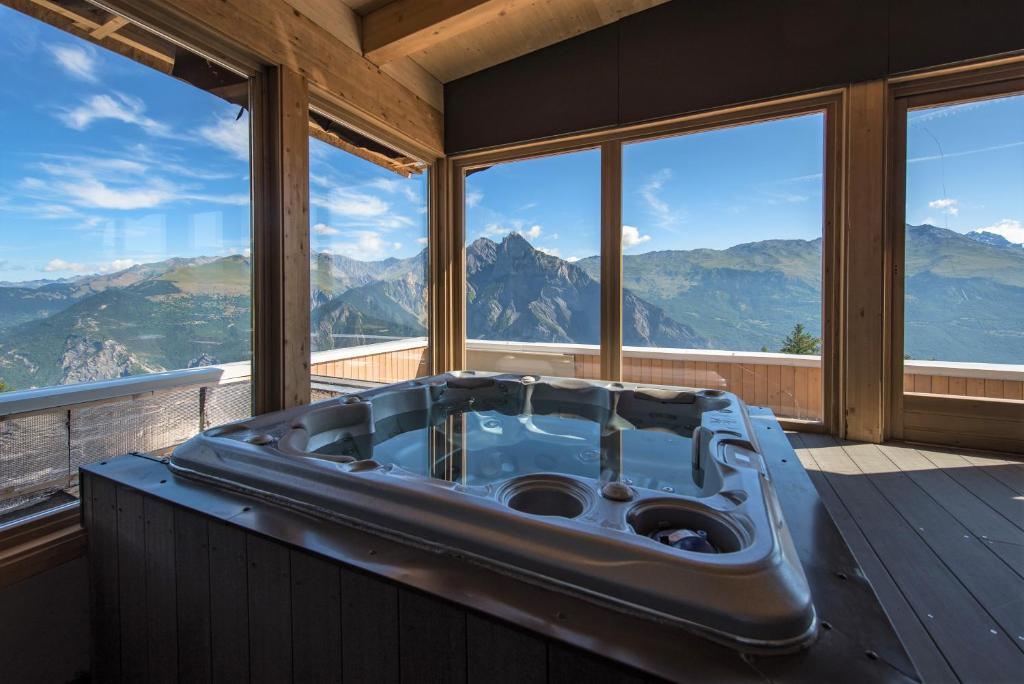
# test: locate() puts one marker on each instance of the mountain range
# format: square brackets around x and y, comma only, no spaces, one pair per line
[964,301]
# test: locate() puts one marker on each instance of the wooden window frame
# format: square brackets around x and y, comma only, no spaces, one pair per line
[332,107]
[972,422]
[610,141]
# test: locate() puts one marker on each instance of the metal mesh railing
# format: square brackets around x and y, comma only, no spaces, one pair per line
[34,457]
[40,452]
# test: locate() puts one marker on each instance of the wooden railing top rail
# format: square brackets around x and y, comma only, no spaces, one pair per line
[956,369]
[41,399]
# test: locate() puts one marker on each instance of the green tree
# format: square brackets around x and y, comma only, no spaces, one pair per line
[799,341]
[3,387]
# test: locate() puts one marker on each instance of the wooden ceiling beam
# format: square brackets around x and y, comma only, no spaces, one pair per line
[343,23]
[403,27]
[275,32]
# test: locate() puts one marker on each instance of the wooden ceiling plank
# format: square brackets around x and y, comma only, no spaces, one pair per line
[533,26]
[89,27]
[110,28]
[403,27]
[395,165]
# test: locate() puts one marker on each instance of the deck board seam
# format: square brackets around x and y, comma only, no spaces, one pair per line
[936,552]
[944,506]
[924,454]
[911,612]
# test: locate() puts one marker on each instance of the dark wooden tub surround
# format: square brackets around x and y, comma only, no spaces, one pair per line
[193,583]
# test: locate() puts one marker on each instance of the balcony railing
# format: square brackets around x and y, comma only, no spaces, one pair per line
[45,434]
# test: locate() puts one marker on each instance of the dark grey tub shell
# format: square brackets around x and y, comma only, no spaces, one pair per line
[551,528]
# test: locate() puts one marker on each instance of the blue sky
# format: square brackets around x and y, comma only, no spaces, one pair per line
[965,167]
[713,190]
[107,163]
[763,181]
[361,210]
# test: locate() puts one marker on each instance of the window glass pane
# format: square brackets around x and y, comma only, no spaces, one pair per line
[532,303]
[368,265]
[964,275]
[722,249]
[124,245]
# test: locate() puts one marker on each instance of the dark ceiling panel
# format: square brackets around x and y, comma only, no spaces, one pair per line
[688,55]
[570,86]
[927,33]
[691,55]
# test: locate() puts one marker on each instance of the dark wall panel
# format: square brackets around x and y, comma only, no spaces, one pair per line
[687,56]
[569,86]
[691,55]
[927,33]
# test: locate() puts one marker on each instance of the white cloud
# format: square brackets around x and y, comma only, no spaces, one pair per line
[230,133]
[385,184]
[1011,229]
[550,251]
[945,205]
[61,265]
[964,153]
[109,183]
[247,252]
[117,265]
[572,259]
[495,230]
[90,192]
[650,192]
[324,229]
[349,203]
[944,111]
[364,245]
[473,198]
[76,60]
[499,231]
[421,240]
[118,107]
[393,185]
[786,198]
[631,237]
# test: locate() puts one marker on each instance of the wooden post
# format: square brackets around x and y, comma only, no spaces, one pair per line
[864,338]
[280,168]
[447,268]
[611,260]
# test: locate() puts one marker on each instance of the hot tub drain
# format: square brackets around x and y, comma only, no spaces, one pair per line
[686,540]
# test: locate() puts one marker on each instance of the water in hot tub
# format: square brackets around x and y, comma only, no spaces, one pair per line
[477,447]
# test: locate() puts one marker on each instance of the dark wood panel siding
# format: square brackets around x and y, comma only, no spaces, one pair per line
[926,33]
[570,86]
[181,597]
[687,56]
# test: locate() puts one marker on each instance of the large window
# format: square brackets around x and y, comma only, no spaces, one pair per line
[124,216]
[368,258]
[964,249]
[533,239]
[722,251]
[124,247]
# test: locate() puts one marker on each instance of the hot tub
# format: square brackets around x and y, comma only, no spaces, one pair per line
[650,500]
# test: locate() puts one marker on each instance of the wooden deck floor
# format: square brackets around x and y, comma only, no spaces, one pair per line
[940,535]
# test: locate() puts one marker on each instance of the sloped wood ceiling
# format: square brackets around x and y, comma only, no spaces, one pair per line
[492,31]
